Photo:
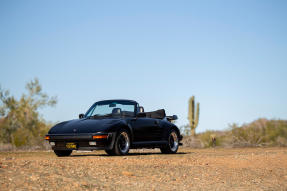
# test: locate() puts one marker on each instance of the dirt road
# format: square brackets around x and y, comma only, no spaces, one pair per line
[190,169]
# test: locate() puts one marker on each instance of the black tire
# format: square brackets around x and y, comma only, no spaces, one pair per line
[122,143]
[173,143]
[110,152]
[63,153]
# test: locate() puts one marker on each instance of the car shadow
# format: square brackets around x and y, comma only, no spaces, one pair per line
[129,154]
[134,154]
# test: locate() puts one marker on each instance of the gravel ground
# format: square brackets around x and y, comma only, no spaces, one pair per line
[190,169]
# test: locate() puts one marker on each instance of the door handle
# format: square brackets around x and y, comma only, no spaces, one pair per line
[133,119]
[156,122]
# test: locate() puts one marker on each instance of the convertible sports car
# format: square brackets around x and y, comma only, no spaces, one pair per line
[116,126]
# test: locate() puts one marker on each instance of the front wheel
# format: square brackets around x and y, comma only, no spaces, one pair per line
[63,153]
[110,152]
[122,144]
[173,144]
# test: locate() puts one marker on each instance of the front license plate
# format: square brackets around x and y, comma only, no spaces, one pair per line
[71,145]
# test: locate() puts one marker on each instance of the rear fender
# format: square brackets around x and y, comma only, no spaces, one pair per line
[170,128]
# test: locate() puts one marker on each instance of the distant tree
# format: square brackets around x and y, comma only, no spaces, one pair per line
[20,121]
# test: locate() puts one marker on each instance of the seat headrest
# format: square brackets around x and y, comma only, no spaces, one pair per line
[140,109]
[116,111]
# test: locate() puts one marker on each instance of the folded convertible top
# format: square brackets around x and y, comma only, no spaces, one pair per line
[158,114]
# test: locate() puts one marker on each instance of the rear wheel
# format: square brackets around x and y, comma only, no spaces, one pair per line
[63,153]
[172,146]
[122,143]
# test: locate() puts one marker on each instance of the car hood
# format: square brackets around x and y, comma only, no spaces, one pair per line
[85,126]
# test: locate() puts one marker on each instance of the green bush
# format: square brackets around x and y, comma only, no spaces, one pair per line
[261,132]
[211,138]
[20,121]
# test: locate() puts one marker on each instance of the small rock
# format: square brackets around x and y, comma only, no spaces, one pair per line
[126,173]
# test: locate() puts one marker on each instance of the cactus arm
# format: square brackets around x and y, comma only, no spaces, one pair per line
[197,115]
[192,111]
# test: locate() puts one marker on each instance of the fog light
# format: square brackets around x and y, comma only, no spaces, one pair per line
[92,143]
[52,143]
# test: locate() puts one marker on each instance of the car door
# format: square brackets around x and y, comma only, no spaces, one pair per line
[145,129]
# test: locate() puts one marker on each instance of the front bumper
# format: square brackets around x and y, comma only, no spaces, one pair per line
[81,141]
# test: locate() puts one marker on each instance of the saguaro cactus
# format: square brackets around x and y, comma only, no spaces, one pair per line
[192,116]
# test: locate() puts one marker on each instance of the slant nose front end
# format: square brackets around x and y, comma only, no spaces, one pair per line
[91,141]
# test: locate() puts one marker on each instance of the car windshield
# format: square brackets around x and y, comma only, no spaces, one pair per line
[112,108]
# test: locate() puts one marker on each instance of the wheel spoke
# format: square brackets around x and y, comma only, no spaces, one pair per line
[124,142]
[173,141]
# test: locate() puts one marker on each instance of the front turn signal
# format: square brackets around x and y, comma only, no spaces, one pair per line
[100,136]
[47,138]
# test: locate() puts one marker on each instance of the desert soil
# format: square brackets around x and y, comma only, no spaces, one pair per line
[190,169]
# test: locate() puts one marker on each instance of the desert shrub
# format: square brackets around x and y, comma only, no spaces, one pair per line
[21,137]
[213,138]
[206,138]
[276,129]
[192,141]
[20,121]
[261,132]
[185,130]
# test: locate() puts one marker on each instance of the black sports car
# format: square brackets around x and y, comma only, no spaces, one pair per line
[116,126]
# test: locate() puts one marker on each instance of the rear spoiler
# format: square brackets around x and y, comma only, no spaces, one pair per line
[171,118]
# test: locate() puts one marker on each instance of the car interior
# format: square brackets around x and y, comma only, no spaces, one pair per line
[158,114]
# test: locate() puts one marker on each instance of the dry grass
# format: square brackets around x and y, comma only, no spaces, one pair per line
[190,169]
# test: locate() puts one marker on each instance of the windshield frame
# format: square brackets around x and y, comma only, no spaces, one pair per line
[124,102]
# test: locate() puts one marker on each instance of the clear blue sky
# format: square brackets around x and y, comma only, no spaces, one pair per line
[232,55]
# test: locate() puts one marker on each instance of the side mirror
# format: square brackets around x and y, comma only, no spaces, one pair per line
[174,117]
[171,118]
[81,116]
